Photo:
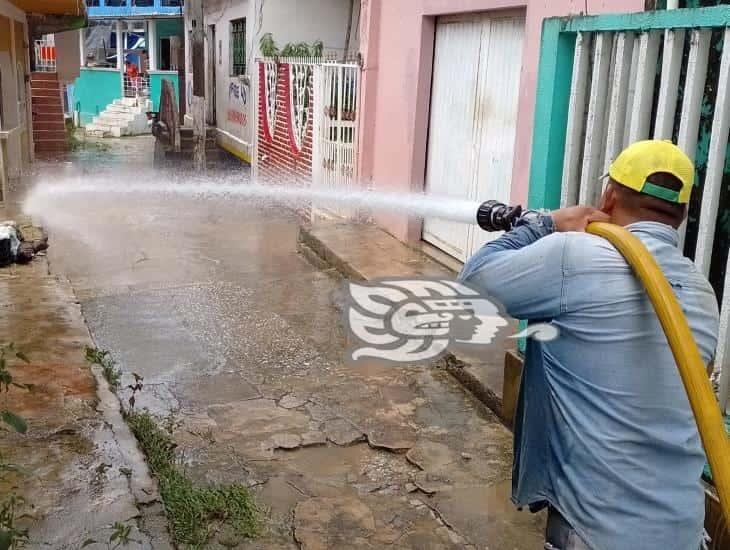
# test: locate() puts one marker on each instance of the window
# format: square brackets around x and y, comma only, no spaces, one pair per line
[238,47]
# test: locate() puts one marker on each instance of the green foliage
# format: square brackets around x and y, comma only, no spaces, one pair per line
[16,422]
[268,48]
[267,45]
[112,374]
[120,535]
[11,537]
[317,48]
[136,387]
[8,353]
[195,513]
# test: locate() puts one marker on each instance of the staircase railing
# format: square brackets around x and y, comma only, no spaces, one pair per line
[45,55]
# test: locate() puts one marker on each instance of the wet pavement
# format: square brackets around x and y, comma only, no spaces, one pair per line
[77,468]
[241,345]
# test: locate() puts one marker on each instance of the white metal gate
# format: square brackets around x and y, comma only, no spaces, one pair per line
[336,119]
[477,65]
[612,97]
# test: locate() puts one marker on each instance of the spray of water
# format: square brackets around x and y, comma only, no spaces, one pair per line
[49,196]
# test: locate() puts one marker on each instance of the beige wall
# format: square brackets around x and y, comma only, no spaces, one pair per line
[67,56]
[4,34]
[12,55]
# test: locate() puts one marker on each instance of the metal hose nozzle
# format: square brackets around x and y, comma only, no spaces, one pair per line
[497,216]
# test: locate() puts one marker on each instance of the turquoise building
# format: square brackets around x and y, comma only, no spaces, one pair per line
[129,47]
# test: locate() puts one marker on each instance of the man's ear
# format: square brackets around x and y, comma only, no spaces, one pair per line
[608,200]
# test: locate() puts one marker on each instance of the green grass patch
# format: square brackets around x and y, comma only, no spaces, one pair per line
[109,369]
[195,514]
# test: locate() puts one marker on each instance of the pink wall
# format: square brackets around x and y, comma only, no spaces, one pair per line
[397,47]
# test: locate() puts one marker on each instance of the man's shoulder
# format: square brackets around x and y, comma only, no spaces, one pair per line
[588,254]
[585,245]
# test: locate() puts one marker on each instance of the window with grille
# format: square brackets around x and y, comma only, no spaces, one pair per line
[238,47]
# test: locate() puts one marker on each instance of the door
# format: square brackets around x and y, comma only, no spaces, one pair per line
[210,78]
[335,130]
[472,127]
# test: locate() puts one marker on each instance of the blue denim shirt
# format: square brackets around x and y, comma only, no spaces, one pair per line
[603,430]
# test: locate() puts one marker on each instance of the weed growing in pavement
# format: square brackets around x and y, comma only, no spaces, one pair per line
[76,143]
[195,513]
[9,352]
[112,374]
[11,536]
[136,387]
[118,538]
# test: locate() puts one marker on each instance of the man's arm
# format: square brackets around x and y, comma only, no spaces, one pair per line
[523,269]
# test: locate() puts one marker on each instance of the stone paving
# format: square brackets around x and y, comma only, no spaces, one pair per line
[77,467]
[240,342]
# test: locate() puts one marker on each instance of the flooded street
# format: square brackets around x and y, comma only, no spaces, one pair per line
[241,345]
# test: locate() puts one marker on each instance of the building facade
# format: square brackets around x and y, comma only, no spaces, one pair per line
[232,34]
[21,23]
[448,102]
[129,47]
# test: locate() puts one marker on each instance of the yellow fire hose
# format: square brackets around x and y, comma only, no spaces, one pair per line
[691,367]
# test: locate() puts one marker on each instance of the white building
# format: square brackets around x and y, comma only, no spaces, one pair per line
[233,30]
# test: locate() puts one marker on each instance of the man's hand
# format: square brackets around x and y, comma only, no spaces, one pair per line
[577,218]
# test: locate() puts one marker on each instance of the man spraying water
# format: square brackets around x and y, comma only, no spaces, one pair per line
[604,434]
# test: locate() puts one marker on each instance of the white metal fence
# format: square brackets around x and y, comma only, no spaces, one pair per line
[324,98]
[626,87]
[136,86]
[45,55]
[335,145]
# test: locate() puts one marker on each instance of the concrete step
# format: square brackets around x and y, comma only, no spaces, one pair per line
[45,92]
[54,100]
[45,85]
[44,116]
[52,145]
[97,127]
[48,125]
[186,132]
[114,119]
[45,135]
[125,109]
[127,101]
[100,129]
[42,76]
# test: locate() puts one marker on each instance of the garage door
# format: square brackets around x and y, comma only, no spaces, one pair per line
[476,76]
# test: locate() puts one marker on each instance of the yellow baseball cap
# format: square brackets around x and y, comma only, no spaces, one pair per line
[637,162]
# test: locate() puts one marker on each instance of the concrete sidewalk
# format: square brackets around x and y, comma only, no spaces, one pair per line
[365,252]
[78,467]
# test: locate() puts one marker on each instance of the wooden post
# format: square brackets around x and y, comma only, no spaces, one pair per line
[197,108]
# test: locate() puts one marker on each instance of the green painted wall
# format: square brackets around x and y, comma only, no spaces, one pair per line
[156,87]
[165,29]
[551,113]
[170,27]
[94,89]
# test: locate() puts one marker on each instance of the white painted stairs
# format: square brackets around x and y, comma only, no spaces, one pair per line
[124,117]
